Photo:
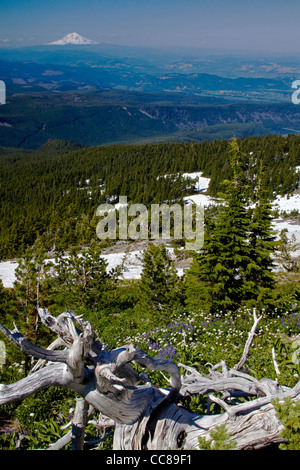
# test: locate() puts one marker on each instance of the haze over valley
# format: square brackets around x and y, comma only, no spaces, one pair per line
[94,94]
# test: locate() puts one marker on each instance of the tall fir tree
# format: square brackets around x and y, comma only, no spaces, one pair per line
[262,245]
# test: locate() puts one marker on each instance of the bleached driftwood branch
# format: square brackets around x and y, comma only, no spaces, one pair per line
[144,416]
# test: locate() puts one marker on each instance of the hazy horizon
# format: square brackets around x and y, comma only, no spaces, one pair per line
[241,26]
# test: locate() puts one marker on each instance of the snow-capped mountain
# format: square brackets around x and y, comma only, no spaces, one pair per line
[72,38]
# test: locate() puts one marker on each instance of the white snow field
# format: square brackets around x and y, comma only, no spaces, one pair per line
[131,266]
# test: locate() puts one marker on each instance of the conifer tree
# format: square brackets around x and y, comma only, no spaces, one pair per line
[219,270]
[286,246]
[82,277]
[31,285]
[4,296]
[160,286]
[262,245]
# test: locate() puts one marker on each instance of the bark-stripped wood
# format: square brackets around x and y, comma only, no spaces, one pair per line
[144,416]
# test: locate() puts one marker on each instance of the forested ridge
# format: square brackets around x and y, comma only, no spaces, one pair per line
[54,192]
[108,117]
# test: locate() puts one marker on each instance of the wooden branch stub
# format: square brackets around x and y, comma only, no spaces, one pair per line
[248,342]
[79,423]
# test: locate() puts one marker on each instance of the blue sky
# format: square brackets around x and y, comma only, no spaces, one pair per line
[257,25]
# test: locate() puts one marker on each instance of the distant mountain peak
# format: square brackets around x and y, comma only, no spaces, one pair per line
[72,38]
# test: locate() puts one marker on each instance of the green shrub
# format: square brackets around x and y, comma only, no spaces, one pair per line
[288,413]
[219,440]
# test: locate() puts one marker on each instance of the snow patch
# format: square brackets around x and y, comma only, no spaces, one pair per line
[7,272]
[201,183]
[287,203]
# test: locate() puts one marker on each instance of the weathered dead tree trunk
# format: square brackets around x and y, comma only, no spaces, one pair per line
[144,416]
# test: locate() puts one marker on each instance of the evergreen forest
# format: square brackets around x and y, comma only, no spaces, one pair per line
[53,193]
[48,203]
